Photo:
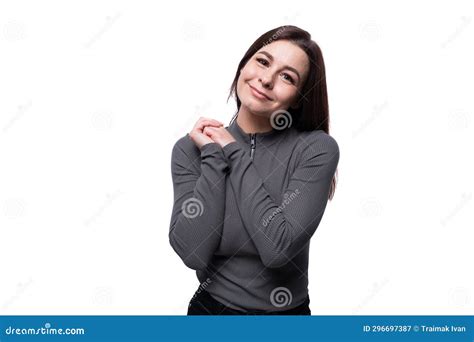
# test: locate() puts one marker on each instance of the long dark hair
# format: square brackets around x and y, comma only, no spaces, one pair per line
[313,110]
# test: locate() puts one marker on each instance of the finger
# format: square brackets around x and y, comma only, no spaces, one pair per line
[212,127]
[216,122]
[208,130]
[206,122]
[210,119]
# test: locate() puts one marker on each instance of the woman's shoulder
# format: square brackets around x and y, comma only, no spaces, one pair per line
[317,140]
[185,147]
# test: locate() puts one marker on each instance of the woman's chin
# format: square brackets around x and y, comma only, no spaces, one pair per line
[257,108]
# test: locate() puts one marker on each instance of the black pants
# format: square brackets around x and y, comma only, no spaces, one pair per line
[204,304]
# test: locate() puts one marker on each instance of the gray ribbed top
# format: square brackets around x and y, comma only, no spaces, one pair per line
[245,224]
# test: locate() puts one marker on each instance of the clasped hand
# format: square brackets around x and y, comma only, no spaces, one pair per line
[207,131]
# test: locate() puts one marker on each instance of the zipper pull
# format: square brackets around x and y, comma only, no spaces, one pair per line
[252,145]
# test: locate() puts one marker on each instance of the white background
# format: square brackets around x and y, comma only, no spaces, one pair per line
[95,94]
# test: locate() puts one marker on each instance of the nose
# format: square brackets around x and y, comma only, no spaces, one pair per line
[266,80]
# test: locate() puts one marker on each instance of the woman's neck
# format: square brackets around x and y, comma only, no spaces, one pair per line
[252,123]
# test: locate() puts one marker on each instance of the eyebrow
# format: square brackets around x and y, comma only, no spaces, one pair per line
[286,66]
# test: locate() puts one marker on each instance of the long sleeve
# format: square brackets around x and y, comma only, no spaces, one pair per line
[199,203]
[280,230]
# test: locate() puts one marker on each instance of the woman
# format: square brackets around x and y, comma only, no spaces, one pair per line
[248,197]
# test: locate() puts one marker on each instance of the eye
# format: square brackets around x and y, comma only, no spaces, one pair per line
[260,60]
[289,78]
[264,62]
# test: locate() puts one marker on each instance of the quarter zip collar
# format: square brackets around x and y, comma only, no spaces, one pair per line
[265,138]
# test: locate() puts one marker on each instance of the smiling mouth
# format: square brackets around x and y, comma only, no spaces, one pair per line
[258,94]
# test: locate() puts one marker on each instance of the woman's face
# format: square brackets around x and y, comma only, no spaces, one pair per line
[277,70]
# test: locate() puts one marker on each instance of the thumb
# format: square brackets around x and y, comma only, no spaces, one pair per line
[208,130]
